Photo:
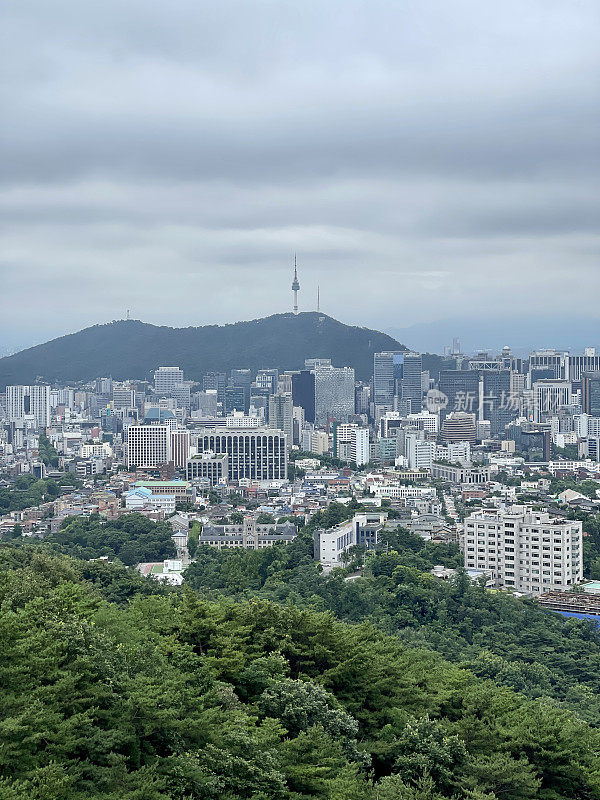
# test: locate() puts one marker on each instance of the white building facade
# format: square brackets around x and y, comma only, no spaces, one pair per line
[525,550]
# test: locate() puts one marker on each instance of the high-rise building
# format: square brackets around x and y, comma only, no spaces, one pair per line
[148,445]
[590,394]
[526,550]
[123,396]
[216,381]
[496,405]
[334,394]
[303,393]
[267,379]
[461,387]
[256,453]
[180,448]
[235,399]
[549,397]
[419,452]
[387,377]
[281,412]
[459,427]
[206,403]
[242,378]
[351,443]
[167,378]
[411,380]
[28,401]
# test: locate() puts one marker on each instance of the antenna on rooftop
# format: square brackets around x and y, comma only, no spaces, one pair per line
[128,315]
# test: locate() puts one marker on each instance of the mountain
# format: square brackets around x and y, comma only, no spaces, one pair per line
[134,349]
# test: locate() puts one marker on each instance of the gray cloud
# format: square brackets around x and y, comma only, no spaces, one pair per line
[424,159]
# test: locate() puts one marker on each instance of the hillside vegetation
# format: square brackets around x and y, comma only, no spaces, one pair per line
[133,349]
[117,689]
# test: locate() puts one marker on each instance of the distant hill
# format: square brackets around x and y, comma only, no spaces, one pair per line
[134,349]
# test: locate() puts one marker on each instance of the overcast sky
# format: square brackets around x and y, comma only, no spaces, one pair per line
[425,159]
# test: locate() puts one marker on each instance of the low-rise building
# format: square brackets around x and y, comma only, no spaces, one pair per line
[250,535]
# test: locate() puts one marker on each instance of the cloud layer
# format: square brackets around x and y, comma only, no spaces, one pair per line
[424,159]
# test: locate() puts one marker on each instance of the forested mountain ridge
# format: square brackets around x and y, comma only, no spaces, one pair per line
[116,688]
[134,349]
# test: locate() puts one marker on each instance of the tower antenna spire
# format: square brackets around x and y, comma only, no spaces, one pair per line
[295,286]
[318,297]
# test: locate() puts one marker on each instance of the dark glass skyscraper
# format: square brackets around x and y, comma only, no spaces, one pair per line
[590,384]
[387,375]
[303,393]
[411,380]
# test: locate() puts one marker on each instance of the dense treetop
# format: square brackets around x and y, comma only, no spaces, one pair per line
[116,688]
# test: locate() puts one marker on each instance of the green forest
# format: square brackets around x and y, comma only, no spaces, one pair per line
[116,688]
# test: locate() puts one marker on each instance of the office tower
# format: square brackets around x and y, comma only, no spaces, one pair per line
[315,441]
[267,379]
[526,550]
[167,378]
[281,411]
[578,366]
[412,380]
[216,381]
[459,427]
[284,384]
[550,396]
[362,399]
[351,443]
[461,387]
[548,360]
[206,402]
[148,445]
[258,454]
[590,393]
[334,394]
[28,401]
[419,453]
[242,378]
[298,422]
[235,399]
[303,393]
[497,405]
[387,377]
[180,448]
[104,386]
[182,396]
[123,396]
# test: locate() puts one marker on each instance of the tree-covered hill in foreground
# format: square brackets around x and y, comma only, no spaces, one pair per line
[115,688]
[134,349]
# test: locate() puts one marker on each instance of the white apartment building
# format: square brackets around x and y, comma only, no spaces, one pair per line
[419,453]
[331,544]
[455,452]
[425,421]
[28,401]
[148,445]
[96,450]
[525,550]
[351,443]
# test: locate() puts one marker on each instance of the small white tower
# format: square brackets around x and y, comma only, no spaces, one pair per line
[295,287]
